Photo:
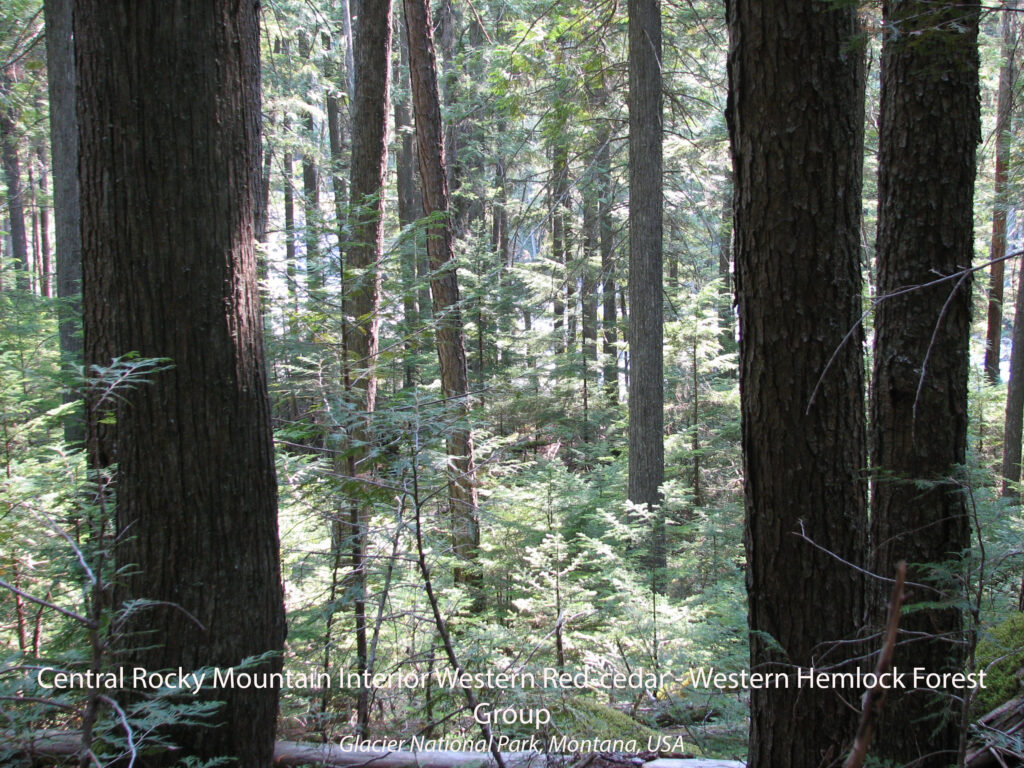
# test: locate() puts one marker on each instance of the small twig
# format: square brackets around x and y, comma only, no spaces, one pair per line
[129,734]
[874,698]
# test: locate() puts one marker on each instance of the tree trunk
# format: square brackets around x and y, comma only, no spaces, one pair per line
[43,209]
[646,384]
[1013,423]
[559,238]
[609,330]
[1004,110]
[795,117]
[444,287]
[12,177]
[928,133]
[361,302]
[169,136]
[410,209]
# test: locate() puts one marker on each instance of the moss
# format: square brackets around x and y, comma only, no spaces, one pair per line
[1001,683]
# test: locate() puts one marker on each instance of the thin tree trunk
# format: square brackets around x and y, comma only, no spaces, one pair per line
[559,240]
[410,208]
[45,262]
[451,347]
[12,176]
[609,330]
[1004,111]
[646,385]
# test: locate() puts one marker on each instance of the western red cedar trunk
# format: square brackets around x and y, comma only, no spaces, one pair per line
[169,140]
[795,121]
[646,203]
[361,303]
[11,162]
[1004,110]
[929,130]
[444,289]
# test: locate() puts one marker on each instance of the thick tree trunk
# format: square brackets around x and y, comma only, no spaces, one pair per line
[646,382]
[1004,110]
[927,139]
[60,68]
[361,302]
[12,177]
[444,287]
[169,138]
[796,117]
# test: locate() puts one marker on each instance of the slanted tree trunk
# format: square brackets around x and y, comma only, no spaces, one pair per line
[795,117]
[444,287]
[646,204]
[1004,111]
[927,138]
[169,139]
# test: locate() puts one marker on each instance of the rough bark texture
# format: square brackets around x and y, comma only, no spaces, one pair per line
[1004,110]
[1013,422]
[928,134]
[12,177]
[60,67]
[646,382]
[795,120]
[361,302]
[444,289]
[169,138]
[410,206]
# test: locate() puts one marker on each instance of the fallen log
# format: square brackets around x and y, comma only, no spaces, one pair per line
[297,753]
[1000,737]
[51,748]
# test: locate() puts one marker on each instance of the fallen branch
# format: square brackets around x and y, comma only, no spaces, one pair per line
[874,697]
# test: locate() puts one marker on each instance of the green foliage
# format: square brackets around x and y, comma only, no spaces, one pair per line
[1001,654]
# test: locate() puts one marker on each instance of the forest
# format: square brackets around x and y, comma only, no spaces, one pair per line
[511,383]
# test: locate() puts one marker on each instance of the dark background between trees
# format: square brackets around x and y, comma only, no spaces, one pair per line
[507,335]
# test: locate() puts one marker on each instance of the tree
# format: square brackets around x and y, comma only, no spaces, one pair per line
[361,304]
[1004,110]
[11,162]
[169,141]
[795,121]
[928,133]
[444,289]
[646,380]
[60,65]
